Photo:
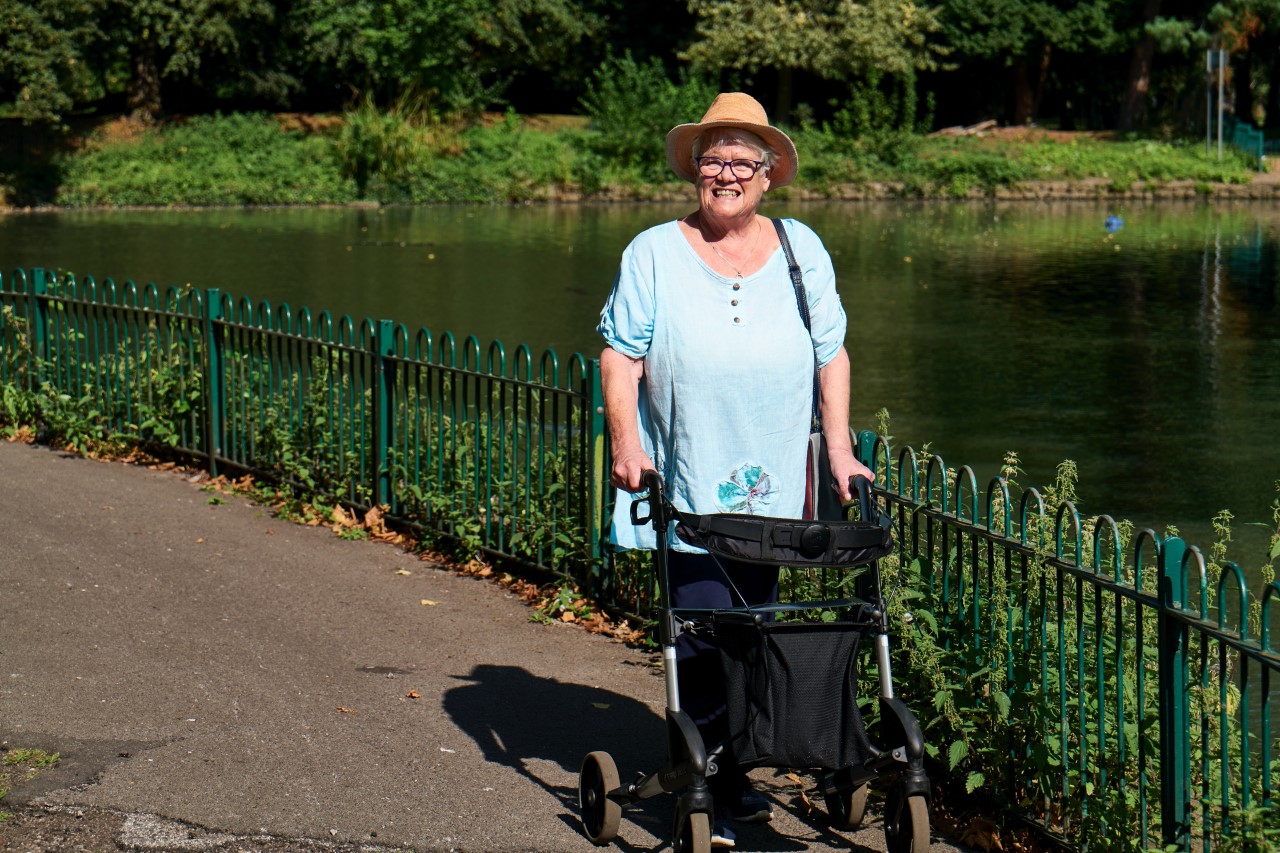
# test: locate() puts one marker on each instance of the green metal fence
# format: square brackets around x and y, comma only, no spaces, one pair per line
[1132,683]
[496,450]
[1113,682]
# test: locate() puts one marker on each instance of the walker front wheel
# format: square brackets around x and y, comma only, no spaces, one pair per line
[910,833]
[600,815]
[846,810]
[694,836]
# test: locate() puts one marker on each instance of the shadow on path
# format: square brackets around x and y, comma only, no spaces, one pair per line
[522,722]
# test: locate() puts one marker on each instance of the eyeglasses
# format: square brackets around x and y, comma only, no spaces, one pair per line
[713,167]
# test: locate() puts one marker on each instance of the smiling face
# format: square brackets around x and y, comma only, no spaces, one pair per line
[725,197]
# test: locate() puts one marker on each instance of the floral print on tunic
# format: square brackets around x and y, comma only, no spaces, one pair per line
[747,490]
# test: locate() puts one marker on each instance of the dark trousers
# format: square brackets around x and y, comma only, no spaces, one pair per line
[698,582]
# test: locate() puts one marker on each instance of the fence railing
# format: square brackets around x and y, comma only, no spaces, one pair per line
[498,451]
[1113,682]
[1132,683]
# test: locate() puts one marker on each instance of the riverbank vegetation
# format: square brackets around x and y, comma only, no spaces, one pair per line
[303,102]
[401,156]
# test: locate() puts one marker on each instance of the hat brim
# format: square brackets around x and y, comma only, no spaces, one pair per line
[680,149]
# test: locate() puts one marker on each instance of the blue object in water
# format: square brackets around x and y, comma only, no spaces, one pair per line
[1114,224]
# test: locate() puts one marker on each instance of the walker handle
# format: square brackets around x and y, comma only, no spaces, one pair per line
[860,487]
[650,480]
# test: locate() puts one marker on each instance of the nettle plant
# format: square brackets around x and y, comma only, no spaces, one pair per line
[1039,692]
[498,482]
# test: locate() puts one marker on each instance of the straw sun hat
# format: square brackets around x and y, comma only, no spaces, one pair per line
[740,111]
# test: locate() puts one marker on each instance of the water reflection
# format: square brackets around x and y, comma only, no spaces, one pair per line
[1149,355]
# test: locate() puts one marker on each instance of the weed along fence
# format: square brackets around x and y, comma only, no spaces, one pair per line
[1114,684]
[494,449]
[1128,685]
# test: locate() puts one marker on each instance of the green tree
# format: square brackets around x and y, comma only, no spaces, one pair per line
[1133,103]
[43,72]
[155,40]
[1024,36]
[458,52]
[1249,30]
[834,39]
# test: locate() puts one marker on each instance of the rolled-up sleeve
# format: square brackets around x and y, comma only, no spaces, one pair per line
[626,321]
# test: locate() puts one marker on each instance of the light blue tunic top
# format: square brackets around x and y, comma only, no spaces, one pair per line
[727,394]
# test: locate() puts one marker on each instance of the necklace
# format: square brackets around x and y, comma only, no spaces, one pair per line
[750,252]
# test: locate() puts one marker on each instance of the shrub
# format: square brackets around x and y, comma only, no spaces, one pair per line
[632,105]
[382,144]
[206,160]
[504,161]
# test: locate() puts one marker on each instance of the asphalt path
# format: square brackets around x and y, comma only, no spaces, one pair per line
[212,675]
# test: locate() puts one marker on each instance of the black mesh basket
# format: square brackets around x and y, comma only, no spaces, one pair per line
[792,694]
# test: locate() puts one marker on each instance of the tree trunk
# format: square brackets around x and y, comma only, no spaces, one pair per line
[1042,77]
[143,96]
[1133,103]
[1266,47]
[1242,84]
[1024,96]
[782,106]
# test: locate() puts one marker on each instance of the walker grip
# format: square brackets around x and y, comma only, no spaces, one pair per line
[860,488]
[653,483]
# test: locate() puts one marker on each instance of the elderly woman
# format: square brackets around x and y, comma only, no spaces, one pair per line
[708,379]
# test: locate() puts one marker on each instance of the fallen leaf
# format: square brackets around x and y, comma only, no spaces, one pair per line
[603,706]
[270,532]
[426,602]
[342,710]
[568,616]
[794,778]
[199,541]
[447,749]
[983,834]
[403,572]
[413,694]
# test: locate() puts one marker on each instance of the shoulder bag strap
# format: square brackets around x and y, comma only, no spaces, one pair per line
[802,304]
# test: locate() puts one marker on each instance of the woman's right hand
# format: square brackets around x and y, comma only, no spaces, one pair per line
[628,467]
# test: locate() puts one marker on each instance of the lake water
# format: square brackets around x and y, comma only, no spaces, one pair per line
[1150,356]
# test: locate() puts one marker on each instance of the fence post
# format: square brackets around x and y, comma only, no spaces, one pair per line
[383,408]
[39,324]
[1175,721]
[597,465]
[215,394]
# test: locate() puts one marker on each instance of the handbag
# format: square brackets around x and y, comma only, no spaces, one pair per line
[821,501]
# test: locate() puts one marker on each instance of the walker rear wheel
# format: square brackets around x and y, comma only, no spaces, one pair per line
[911,834]
[694,836]
[600,815]
[846,810]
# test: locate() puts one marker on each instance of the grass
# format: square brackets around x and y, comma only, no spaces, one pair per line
[22,765]
[261,159]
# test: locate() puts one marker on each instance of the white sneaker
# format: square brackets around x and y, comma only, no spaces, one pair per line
[722,834]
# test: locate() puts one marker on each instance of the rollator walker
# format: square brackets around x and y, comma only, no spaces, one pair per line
[791,680]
